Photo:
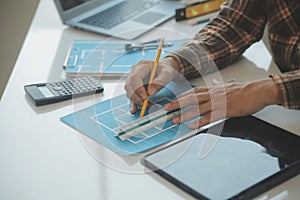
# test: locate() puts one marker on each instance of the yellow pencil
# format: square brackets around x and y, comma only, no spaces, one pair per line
[153,72]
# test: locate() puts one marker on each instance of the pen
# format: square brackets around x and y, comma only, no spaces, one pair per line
[66,64]
[153,72]
[200,22]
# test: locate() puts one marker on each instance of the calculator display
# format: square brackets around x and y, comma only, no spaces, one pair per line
[45,91]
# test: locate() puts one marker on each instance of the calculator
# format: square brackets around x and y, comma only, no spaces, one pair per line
[47,93]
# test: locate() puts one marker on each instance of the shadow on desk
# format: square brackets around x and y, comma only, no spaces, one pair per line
[242,70]
[56,106]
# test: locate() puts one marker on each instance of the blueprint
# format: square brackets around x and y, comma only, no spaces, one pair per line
[101,120]
[108,57]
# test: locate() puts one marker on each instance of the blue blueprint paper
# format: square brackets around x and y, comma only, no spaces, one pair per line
[100,120]
[108,57]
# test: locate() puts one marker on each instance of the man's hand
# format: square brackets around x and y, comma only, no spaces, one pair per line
[136,84]
[221,101]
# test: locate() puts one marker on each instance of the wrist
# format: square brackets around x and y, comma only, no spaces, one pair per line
[174,62]
[269,91]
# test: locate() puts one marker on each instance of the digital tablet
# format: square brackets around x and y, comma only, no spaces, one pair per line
[248,158]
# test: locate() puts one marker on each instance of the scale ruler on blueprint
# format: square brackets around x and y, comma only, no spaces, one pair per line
[145,123]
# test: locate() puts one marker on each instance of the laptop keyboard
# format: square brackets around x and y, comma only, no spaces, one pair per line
[119,13]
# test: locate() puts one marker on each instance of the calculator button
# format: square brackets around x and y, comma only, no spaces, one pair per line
[57,88]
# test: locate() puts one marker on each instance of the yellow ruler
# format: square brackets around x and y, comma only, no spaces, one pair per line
[198,9]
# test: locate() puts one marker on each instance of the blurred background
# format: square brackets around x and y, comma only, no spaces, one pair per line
[15,19]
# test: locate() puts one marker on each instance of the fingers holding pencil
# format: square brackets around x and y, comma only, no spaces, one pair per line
[137,84]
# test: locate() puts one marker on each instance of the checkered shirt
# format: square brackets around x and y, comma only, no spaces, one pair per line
[241,23]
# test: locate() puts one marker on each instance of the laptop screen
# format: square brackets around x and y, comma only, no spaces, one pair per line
[69,4]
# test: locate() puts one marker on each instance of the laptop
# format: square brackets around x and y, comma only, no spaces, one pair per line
[126,19]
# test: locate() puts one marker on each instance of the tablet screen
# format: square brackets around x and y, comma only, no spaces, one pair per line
[247,153]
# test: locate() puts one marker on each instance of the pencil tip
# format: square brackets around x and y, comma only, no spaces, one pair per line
[162,41]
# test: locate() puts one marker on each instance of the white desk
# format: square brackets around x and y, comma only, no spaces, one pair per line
[41,158]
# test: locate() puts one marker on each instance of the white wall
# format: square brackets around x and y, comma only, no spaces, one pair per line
[15,19]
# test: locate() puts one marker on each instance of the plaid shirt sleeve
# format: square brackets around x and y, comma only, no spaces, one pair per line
[239,24]
[289,85]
